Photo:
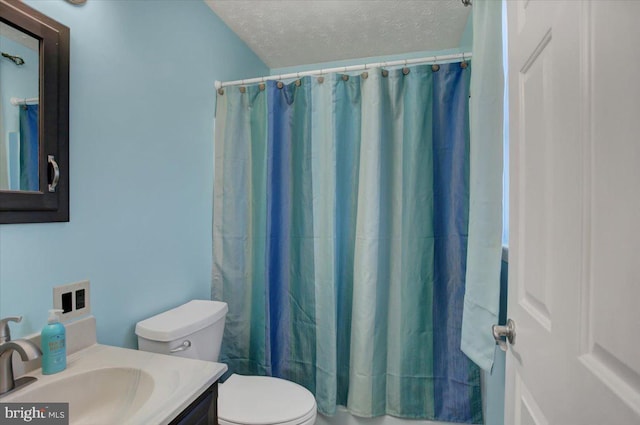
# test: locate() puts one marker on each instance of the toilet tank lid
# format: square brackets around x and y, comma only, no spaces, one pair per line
[181,321]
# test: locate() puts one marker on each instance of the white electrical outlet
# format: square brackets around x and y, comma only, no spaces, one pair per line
[74,299]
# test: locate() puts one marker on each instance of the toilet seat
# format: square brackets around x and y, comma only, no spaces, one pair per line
[263,400]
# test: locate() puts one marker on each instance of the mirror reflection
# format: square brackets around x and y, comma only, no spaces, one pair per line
[19,88]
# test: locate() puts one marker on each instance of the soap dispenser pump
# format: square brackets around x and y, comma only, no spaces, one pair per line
[54,345]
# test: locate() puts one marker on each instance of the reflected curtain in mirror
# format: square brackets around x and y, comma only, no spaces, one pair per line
[29,147]
[19,82]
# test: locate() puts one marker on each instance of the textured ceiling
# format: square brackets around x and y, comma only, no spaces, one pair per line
[298,32]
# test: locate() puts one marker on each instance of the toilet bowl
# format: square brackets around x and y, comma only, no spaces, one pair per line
[194,330]
[256,400]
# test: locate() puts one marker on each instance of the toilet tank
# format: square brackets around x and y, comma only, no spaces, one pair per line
[193,330]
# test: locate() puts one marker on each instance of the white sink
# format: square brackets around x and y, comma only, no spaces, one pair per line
[112,394]
[107,385]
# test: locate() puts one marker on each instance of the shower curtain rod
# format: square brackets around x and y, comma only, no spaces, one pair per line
[362,67]
[16,101]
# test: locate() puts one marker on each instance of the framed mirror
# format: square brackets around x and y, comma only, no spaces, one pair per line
[34,116]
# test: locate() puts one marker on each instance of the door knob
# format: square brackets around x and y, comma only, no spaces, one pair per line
[507,332]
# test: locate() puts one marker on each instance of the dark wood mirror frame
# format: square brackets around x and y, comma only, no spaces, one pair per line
[44,205]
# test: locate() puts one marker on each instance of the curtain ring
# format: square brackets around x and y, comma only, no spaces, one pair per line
[280,84]
[261,86]
[365,75]
[463,64]
[243,89]
[221,91]
[320,79]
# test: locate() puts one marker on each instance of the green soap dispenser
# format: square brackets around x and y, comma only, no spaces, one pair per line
[54,345]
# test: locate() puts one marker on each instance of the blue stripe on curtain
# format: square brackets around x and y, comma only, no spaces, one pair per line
[290,258]
[29,153]
[451,206]
[278,220]
[344,270]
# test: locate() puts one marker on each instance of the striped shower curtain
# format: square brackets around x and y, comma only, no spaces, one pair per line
[339,238]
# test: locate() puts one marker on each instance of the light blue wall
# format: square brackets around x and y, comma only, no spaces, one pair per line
[141,125]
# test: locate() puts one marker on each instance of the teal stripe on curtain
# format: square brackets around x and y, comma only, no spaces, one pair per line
[360,220]
[323,158]
[347,112]
[393,372]
[239,227]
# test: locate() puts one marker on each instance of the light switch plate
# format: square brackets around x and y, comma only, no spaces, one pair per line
[73,288]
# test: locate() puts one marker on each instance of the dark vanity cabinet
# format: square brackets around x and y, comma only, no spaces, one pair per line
[203,411]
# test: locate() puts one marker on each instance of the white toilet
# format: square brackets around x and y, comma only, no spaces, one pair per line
[194,330]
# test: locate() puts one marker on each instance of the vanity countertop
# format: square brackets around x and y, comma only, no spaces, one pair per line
[157,387]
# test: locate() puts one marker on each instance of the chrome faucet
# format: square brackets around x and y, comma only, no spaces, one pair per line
[26,349]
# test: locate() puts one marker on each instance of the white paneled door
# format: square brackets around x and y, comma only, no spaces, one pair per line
[574,293]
